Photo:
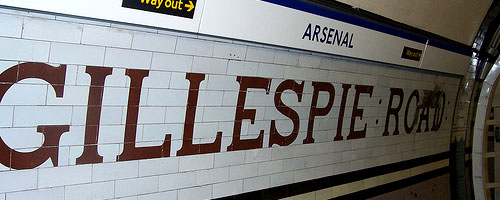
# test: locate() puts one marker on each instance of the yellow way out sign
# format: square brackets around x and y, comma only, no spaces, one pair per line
[181,8]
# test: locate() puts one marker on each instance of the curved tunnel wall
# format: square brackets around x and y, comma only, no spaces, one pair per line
[95,109]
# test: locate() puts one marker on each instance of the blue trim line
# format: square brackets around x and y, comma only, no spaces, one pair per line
[450,48]
[350,19]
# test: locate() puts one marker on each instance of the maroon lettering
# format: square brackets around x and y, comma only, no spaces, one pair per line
[358,112]
[275,137]
[188,148]
[315,111]
[393,111]
[97,78]
[424,116]
[49,149]
[130,151]
[55,76]
[436,124]
[415,95]
[242,113]
[345,91]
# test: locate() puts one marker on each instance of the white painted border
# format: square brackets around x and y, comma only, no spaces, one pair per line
[262,22]
[477,146]
[112,10]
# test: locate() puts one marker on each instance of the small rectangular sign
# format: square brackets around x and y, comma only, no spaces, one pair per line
[170,7]
[411,54]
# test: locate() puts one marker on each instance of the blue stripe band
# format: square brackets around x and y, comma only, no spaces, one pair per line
[350,19]
[466,52]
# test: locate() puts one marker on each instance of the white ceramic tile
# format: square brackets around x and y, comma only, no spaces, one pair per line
[227,188]
[136,186]
[113,171]
[243,171]
[195,193]
[270,167]
[132,59]
[209,65]
[40,194]
[229,51]
[18,180]
[271,70]
[190,46]
[255,183]
[151,167]
[210,176]
[69,175]
[286,58]
[106,36]
[281,179]
[224,159]
[196,162]
[154,42]
[26,50]
[176,181]
[260,54]
[50,30]
[171,62]
[242,68]
[13,25]
[93,191]
[159,196]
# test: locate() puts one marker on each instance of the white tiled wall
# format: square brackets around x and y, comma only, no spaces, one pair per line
[29,37]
